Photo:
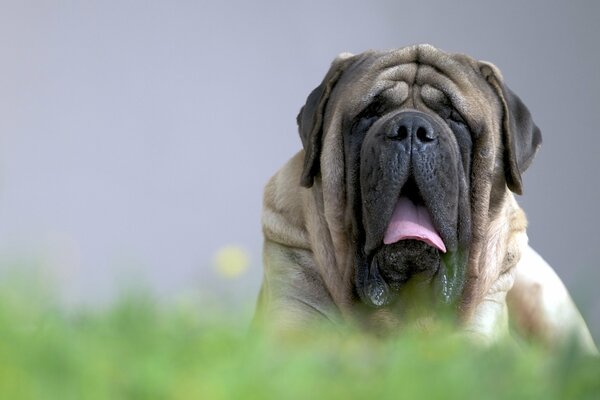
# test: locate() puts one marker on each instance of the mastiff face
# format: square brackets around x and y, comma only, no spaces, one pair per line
[402,198]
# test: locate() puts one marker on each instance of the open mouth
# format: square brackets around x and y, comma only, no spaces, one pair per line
[411,249]
[411,220]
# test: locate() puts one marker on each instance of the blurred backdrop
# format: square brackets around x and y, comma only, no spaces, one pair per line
[136,136]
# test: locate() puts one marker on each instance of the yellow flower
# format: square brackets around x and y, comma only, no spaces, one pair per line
[231,261]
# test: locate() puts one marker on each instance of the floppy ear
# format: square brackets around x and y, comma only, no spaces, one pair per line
[520,136]
[310,119]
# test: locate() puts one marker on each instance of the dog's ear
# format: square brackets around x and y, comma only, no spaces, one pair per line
[311,117]
[520,136]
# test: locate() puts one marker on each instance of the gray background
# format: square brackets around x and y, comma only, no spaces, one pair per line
[136,136]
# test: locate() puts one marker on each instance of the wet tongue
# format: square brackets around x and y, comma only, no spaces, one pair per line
[411,221]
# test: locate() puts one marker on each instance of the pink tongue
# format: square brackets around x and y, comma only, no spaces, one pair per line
[411,221]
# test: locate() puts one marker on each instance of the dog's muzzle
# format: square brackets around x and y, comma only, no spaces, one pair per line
[411,191]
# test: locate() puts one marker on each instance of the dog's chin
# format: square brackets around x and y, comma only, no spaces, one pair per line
[401,261]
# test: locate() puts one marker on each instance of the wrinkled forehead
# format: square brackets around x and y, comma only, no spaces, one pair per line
[415,74]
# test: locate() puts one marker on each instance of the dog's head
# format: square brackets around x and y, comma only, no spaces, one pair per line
[415,149]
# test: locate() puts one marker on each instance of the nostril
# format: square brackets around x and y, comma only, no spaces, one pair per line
[424,135]
[402,133]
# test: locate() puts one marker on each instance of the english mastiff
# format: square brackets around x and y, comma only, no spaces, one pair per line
[401,205]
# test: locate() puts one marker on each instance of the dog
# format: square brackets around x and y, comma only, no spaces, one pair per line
[400,207]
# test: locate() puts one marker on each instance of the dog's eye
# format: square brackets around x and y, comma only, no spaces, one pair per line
[368,117]
[454,116]
[364,123]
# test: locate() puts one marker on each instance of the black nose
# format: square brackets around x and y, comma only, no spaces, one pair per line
[413,126]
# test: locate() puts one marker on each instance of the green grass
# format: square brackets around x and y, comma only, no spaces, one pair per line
[138,349]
